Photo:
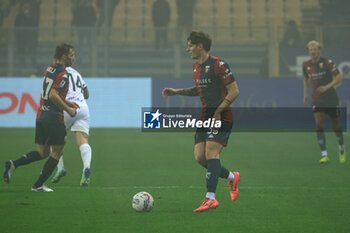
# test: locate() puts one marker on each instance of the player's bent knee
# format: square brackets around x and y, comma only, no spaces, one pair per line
[43,154]
[212,153]
[212,156]
[81,138]
[44,151]
[57,152]
[201,160]
[56,156]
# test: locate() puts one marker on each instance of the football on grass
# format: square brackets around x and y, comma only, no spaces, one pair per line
[142,202]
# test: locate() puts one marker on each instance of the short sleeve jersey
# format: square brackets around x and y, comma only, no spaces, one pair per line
[211,79]
[76,86]
[55,78]
[321,73]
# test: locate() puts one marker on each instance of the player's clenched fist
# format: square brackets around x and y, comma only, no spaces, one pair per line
[168,92]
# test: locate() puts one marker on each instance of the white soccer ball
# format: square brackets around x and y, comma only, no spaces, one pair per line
[142,202]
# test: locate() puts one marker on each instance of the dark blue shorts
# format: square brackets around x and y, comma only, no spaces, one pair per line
[221,136]
[330,111]
[50,133]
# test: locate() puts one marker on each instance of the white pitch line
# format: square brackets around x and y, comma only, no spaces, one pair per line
[203,187]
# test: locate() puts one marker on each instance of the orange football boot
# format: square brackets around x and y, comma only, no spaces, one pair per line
[234,186]
[206,205]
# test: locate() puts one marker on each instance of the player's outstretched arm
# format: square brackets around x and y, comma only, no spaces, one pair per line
[193,91]
[61,104]
[168,92]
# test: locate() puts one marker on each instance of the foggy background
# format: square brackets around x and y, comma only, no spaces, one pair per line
[147,38]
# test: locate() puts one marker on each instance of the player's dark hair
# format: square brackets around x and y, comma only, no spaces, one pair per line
[200,38]
[62,49]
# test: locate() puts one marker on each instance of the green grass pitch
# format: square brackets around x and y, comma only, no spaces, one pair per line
[282,189]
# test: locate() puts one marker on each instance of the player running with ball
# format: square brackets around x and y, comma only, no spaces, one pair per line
[217,89]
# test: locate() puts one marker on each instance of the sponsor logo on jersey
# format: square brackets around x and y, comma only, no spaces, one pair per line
[203,81]
[45,108]
[318,75]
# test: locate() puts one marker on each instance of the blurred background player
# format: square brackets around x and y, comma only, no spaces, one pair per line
[217,89]
[161,19]
[50,132]
[185,17]
[291,37]
[324,78]
[26,32]
[79,124]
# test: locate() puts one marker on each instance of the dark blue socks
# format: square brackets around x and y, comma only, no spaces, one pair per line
[49,167]
[321,139]
[224,173]
[213,173]
[27,158]
[339,134]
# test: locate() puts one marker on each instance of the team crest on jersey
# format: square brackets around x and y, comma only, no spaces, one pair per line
[62,83]
[321,65]
[207,69]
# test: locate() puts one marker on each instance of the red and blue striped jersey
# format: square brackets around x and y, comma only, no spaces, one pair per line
[55,78]
[210,78]
[321,73]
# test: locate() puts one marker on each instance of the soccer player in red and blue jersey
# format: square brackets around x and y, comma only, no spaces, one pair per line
[50,130]
[324,78]
[217,89]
